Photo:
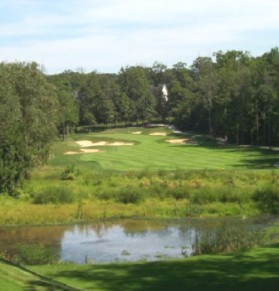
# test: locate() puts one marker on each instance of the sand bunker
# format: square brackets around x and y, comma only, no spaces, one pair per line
[177,141]
[158,133]
[84,144]
[118,143]
[88,143]
[83,151]
[136,132]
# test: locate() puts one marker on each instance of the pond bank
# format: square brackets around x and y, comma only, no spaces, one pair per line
[255,269]
[19,213]
[126,240]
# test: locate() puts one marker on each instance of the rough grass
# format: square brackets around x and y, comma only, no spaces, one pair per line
[256,269]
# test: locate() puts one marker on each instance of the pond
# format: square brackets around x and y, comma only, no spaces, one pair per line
[123,240]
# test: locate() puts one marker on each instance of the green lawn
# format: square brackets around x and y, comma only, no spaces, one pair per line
[14,278]
[256,269]
[153,153]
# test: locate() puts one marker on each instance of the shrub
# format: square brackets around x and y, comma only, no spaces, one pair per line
[231,194]
[130,195]
[70,173]
[157,190]
[179,193]
[267,199]
[203,196]
[55,195]
[35,255]
[106,194]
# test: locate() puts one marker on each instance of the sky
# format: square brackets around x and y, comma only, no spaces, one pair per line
[105,35]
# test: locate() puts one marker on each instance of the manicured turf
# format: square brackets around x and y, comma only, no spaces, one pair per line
[14,278]
[251,270]
[153,153]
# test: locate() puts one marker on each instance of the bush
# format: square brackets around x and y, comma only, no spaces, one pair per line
[267,199]
[179,193]
[70,173]
[35,255]
[235,195]
[203,196]
[106,194]
[130,195]
[56,195]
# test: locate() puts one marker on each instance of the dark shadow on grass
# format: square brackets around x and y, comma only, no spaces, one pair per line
[42,285]
[231,272]
[257,157]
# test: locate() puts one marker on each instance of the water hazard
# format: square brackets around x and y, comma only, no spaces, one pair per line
[125,240]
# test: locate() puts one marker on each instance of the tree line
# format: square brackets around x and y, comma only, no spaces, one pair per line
[231,94]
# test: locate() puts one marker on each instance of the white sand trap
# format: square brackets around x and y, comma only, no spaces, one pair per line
[177,141]
[88,143]
[89,151]
[82,151]
[118,143]
[136,132]
[276,164]
[99,143]
[158,133]
[84,143]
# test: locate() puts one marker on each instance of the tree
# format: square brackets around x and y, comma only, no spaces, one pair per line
[27,121]
[135,84]
[181,102]
[68,117]
[206,82]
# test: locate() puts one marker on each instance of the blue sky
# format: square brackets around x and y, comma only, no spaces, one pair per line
[105,35]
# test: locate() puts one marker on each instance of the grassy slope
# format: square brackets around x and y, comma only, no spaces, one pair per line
[152,152]
[15,278]
[256,269]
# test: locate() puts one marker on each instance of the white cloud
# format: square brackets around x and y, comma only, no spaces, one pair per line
[108,34]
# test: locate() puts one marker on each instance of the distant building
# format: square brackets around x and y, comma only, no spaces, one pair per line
[165,92]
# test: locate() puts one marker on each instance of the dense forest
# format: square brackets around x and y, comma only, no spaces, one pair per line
[231,95]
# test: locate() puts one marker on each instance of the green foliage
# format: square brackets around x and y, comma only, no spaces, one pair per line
[70,173]
[267,199]
[35,255]
[204,195]
[193,210]
[68,106]
[27,121]
[13,163]
[179,192]
[228,238]
[125,195]
[130,195]
[54,194]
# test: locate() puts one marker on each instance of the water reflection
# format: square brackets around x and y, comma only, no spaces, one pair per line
[126,240]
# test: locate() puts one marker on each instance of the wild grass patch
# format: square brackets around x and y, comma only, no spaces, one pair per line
[55,195]
[228,238]
[267,199]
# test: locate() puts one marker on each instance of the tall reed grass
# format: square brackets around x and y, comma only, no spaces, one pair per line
[179,193]
[228,238]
